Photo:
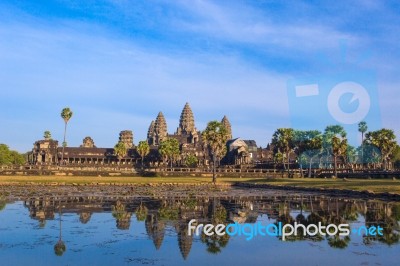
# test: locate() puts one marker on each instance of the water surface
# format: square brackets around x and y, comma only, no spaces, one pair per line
[131,230]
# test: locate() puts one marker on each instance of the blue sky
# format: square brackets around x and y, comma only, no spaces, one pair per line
[117,63]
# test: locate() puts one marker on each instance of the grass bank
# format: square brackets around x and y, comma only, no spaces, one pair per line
[375,185]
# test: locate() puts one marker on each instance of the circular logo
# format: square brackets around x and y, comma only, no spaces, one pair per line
[359,93]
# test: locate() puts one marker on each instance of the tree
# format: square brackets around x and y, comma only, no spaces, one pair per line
[215,137]
[120,150]
[308,145]
[385,140]
[66,115]
[60,247]
[351,155]
[47,135]
[191,160]
[169,149]
[396,157]
[362,128]
[10,157]
[143,149]
[335,142]
[282,139]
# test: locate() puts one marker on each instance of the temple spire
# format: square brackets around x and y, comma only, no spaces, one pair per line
[227,125]
[160,129]
[150,134]
[186,121]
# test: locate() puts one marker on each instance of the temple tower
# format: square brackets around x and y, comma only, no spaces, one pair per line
[157,130]
[227,125]
[88,143]
[186,121]
[126,137]
[150,134]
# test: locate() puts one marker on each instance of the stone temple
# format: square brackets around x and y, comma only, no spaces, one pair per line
[239,152]
[187,135]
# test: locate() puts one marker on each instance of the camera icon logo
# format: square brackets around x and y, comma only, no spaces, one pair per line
[341,98]
[358,94]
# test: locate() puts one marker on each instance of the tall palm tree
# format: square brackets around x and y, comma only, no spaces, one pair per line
[215,137]
[336,141]
[362,128]
[385,140]
[307,144]
[120,150]
[143,149]
[169,149]
[283,140]
[66,115]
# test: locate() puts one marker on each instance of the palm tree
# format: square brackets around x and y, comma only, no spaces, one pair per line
[120,150]
[143,149]
[47,135]
[60,247]
[66,115]
[309,144]
[362,128]
[385,140]
[283,141]
[169,149]
[215,137]
[335,137]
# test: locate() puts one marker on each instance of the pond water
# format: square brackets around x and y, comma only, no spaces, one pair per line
[153,231]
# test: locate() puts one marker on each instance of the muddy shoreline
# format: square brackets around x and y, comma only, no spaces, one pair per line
[17,191]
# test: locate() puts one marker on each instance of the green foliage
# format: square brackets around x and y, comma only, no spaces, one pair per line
[219,215]
[143,149]
[10,157]
[278,157]
[120,149]
[385,140]
[283,141]
[215,137]
[3,204]
[190,203]
[59,248]
[169,213]
[307,144]
[362,127]
[351,154]
[47,135]
[66,114]
[169,149]
[191,160]
[141,213]
[396,157]
[335,142]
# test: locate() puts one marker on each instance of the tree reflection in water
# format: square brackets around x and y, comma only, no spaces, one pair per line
[218,215]
[123,217]
[161,214]
[60,247]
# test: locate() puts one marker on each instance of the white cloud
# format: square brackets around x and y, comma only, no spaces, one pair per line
[126,84]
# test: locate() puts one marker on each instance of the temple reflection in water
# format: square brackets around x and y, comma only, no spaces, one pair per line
[161,214]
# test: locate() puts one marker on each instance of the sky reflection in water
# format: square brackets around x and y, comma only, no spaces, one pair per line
[154,232]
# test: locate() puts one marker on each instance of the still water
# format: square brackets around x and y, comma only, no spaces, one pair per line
[153,231]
